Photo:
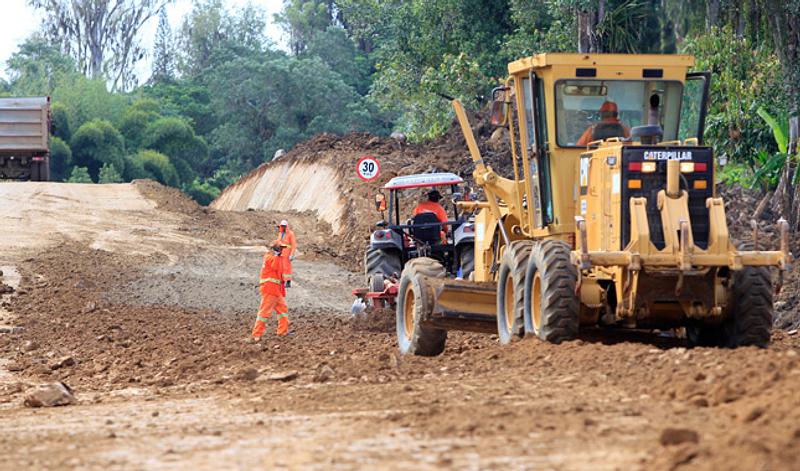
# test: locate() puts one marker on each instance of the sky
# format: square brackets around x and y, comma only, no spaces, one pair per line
[19,21]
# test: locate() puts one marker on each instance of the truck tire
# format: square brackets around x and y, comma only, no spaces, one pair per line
[552,308]
[466,254]
[35,177]
[750,314]
[414,303]
[511,290]
[381,261]
[44,171]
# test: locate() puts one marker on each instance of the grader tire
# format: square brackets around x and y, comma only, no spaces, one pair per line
[414,303]
[749,320]
[381,261]
[511,290]
[552,309]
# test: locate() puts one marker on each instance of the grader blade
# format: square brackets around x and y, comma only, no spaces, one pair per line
[464,305]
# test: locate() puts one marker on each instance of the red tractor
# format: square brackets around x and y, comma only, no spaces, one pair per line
[396,240]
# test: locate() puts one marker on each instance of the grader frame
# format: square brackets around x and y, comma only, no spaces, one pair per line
[554,248]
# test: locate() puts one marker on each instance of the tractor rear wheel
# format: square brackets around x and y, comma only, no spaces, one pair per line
[750,314]
[467,257]
[511,290]
[381,261]
[414,304]
[552,309]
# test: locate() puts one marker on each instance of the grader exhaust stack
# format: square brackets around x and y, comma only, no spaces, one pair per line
[609,218]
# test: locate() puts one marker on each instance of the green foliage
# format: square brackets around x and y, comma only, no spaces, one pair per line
[88,100]
[175,138]
[60,159]
[37,67]
[738,89]
[780,128]
[202,192]
[109,174]
[59,122]
[96,143]
[157,166]
[79,175]
[133,127]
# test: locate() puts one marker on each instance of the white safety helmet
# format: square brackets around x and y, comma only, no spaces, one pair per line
[284,223]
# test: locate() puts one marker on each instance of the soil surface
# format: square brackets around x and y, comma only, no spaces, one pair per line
[152,298]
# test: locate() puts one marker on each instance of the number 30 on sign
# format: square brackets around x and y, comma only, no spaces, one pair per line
[368,168]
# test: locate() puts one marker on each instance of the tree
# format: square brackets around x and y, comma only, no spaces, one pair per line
[109,174]
[96,143]
[79,175]
[102,36]
[163,69]
[37,66]
[175,138]
[302,20]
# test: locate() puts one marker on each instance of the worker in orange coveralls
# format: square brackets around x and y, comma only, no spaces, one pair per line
[431,205]
[286,240]
[272,294]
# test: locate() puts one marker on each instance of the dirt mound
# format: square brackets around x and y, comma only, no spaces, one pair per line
[319,176]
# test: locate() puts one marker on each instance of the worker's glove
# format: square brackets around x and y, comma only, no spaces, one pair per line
[288,284]
[291,258]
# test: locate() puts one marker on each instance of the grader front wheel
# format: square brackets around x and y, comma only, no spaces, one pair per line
[415,301]
[511,290]
[552,308]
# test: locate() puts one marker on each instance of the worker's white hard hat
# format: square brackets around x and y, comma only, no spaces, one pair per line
[284,223]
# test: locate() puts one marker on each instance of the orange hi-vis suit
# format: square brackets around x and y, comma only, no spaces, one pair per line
[286,240]
[435,208]
[272,296]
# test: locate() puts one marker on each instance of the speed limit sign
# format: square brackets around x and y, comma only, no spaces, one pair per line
[368,168]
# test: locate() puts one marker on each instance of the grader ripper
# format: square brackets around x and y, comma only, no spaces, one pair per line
[625,230]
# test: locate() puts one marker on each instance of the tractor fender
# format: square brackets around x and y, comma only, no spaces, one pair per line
[386,239]
[465,234]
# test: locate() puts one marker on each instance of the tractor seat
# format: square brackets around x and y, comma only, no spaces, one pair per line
[430,235]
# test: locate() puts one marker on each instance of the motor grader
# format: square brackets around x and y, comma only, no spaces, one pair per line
[610,219]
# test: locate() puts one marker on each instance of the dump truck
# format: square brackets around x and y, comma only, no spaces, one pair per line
[24,138]
[610,219]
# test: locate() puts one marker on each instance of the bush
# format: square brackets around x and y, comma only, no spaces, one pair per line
[158,166]
[175,138]
[133,125]
[109,174]
[134,169]
[60,159]
[96,143]
[204,193]
[79,175]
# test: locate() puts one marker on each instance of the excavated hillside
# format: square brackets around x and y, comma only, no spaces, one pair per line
[319,176]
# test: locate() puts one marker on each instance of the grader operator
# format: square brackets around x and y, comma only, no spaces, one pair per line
[625,230]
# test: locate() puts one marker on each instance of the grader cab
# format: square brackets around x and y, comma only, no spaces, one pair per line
[611,216]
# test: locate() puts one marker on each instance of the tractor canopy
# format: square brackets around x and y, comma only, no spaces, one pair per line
[423,180]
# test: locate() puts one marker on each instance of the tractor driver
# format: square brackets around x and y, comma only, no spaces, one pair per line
[431,205]
[609,126]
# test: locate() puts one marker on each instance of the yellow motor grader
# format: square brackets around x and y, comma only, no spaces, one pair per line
[611,216]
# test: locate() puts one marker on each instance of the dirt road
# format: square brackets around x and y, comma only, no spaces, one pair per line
[151,297]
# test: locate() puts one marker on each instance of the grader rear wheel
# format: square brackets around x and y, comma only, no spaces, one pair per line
[749,320]
[552,309]
[511,290]
[415,301]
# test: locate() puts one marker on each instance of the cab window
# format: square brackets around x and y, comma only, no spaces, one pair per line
[585,109]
